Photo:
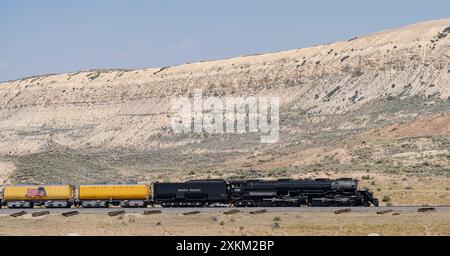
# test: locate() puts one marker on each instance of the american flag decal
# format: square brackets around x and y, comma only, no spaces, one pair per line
[35,192]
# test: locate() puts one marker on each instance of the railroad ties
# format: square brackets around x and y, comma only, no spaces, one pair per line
[116,213]
[68,214]
[18,214]
[258,212]
[191,213]
[41,213]
[342,211]
[152,212]
[234,211]
[426,209]
[385,211]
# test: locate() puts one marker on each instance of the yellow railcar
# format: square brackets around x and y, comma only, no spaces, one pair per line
[126,195]
[25,196]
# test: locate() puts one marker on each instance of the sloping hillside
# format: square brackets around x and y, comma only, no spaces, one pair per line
[345,107]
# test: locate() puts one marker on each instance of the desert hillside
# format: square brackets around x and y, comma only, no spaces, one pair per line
[376,107]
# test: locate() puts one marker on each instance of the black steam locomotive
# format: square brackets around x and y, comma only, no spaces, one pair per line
[263,193]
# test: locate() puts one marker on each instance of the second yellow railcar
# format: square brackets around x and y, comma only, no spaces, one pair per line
[125,195]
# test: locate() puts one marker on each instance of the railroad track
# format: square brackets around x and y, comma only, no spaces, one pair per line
[4,211]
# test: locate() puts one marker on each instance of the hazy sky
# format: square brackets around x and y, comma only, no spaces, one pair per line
[40,37]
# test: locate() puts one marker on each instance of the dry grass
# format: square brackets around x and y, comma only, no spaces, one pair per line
[407,190]
[309,223]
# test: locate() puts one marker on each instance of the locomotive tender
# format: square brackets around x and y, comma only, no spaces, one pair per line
[191,193]
[194,193]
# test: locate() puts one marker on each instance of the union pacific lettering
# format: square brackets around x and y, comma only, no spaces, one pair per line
[189,190]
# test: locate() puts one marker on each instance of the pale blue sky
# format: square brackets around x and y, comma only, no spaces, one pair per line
[52,36]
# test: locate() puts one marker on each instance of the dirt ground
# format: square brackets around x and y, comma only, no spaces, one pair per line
[241,224]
